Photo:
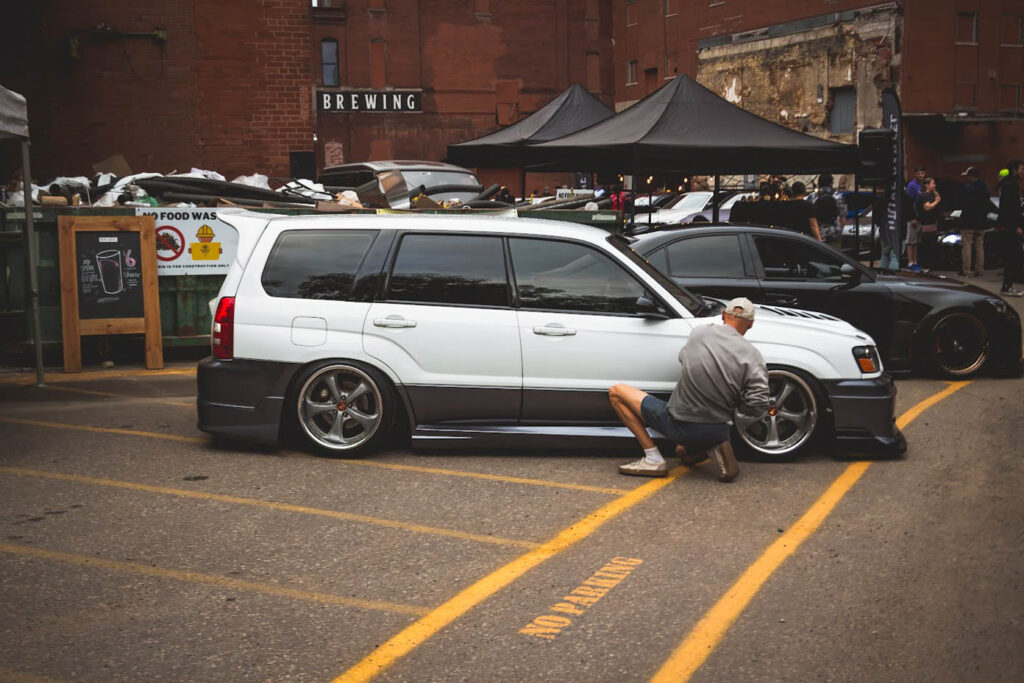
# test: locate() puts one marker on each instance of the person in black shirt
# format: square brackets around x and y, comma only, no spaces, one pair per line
[926,206]
[1011,226]
[800,213]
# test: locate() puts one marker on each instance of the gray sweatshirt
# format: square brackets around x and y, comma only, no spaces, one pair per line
[722,373]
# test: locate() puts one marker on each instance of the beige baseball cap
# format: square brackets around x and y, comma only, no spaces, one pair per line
[745,306]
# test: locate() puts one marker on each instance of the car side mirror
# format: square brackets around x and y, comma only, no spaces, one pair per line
[850,274]
[647,308]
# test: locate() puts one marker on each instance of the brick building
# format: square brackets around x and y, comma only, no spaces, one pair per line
[820,67]
[230,85]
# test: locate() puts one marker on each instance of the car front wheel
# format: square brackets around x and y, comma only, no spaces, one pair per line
[793,418]
[957,345]
[343,407]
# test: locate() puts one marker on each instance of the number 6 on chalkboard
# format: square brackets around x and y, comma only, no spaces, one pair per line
[108,283]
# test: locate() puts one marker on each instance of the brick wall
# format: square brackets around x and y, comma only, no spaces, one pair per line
[228,91]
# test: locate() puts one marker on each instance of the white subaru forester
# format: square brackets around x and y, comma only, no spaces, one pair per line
[473,331]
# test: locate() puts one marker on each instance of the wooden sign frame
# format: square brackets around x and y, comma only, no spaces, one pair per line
[74,326]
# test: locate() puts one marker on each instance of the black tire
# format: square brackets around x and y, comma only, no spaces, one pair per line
[342,408]
[956,345]
[798,419]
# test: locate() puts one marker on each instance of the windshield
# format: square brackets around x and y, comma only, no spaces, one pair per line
[431,179]
[691,201]
[691,302]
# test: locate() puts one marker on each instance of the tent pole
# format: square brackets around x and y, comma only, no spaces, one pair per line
[856,218]
[522,179]
[33,276]
[714,201]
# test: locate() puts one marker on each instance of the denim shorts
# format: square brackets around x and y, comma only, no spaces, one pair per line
[695,436]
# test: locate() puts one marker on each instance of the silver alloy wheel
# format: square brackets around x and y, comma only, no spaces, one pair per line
[791,418]
[340,407]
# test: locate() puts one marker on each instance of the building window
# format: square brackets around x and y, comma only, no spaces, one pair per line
[844,110]
[594,72]
[378,63]
[671,8]
[329,62]
[1010,97]
[631,72]
[632,13]
[671,65]
[1012,27]
[967,28]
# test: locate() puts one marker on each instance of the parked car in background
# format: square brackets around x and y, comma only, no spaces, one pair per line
[395,182]
[921,322]
[869,246]
[644,203]
[492,332]
[689,204]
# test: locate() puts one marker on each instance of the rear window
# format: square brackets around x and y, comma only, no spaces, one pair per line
[464,270]
[315,264]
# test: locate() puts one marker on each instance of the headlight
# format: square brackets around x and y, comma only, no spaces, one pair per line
[867,359]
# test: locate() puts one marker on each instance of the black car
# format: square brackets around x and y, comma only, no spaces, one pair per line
[920,322]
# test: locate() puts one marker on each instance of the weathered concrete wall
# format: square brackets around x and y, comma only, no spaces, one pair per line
[789,78]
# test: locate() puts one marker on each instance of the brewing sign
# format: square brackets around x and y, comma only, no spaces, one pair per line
[109,277]
[192,242]
[370,101]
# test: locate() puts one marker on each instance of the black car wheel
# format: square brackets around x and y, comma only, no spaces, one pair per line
[792,420]
[343,407]
[957,345]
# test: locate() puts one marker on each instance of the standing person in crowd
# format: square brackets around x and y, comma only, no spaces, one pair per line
[1011,226]
[721,373]
[913,225]
[926,207]
[800,213]
[975,205]
[829,209]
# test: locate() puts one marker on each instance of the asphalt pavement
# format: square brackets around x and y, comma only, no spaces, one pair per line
[133,548]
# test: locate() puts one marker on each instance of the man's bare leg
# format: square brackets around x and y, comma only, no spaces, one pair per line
[626,402]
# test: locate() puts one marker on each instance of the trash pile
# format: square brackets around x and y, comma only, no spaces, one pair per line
[195,188]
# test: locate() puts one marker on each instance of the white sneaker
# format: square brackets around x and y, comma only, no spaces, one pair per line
[642,468]
[1011,292]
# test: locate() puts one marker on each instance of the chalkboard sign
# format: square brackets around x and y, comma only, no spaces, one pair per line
[108,283]
[109,268]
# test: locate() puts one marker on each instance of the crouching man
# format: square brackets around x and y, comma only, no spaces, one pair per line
[721,373]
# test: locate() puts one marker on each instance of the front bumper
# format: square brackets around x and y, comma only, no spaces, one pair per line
[242,399]
[863,412]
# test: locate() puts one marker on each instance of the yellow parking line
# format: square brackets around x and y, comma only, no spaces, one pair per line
[711,629]
[141,399]
[103,430]
[490,477]
[26,378]
[12,676]
[419,631]
[271,505]
[369,463]
[210,580]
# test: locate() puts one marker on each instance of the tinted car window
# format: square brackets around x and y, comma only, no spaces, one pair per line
[315,264]
[566,276]
[708,256]
[797,260]
[450,269]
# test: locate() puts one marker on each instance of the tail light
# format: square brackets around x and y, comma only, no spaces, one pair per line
[224,328]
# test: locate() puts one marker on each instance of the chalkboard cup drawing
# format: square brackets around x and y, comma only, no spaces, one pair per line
[109,264]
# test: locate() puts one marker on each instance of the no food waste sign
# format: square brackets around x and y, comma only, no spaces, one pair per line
[192,242]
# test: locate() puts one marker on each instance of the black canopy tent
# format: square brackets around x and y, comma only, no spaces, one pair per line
[573,110]
[684,127]
[14,125]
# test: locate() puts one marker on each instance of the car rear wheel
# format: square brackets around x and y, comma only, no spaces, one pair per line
[793,419]
[958,345]
[343,407]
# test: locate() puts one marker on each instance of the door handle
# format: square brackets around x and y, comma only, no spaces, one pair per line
[394,321]
[554,330]
[782,299]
